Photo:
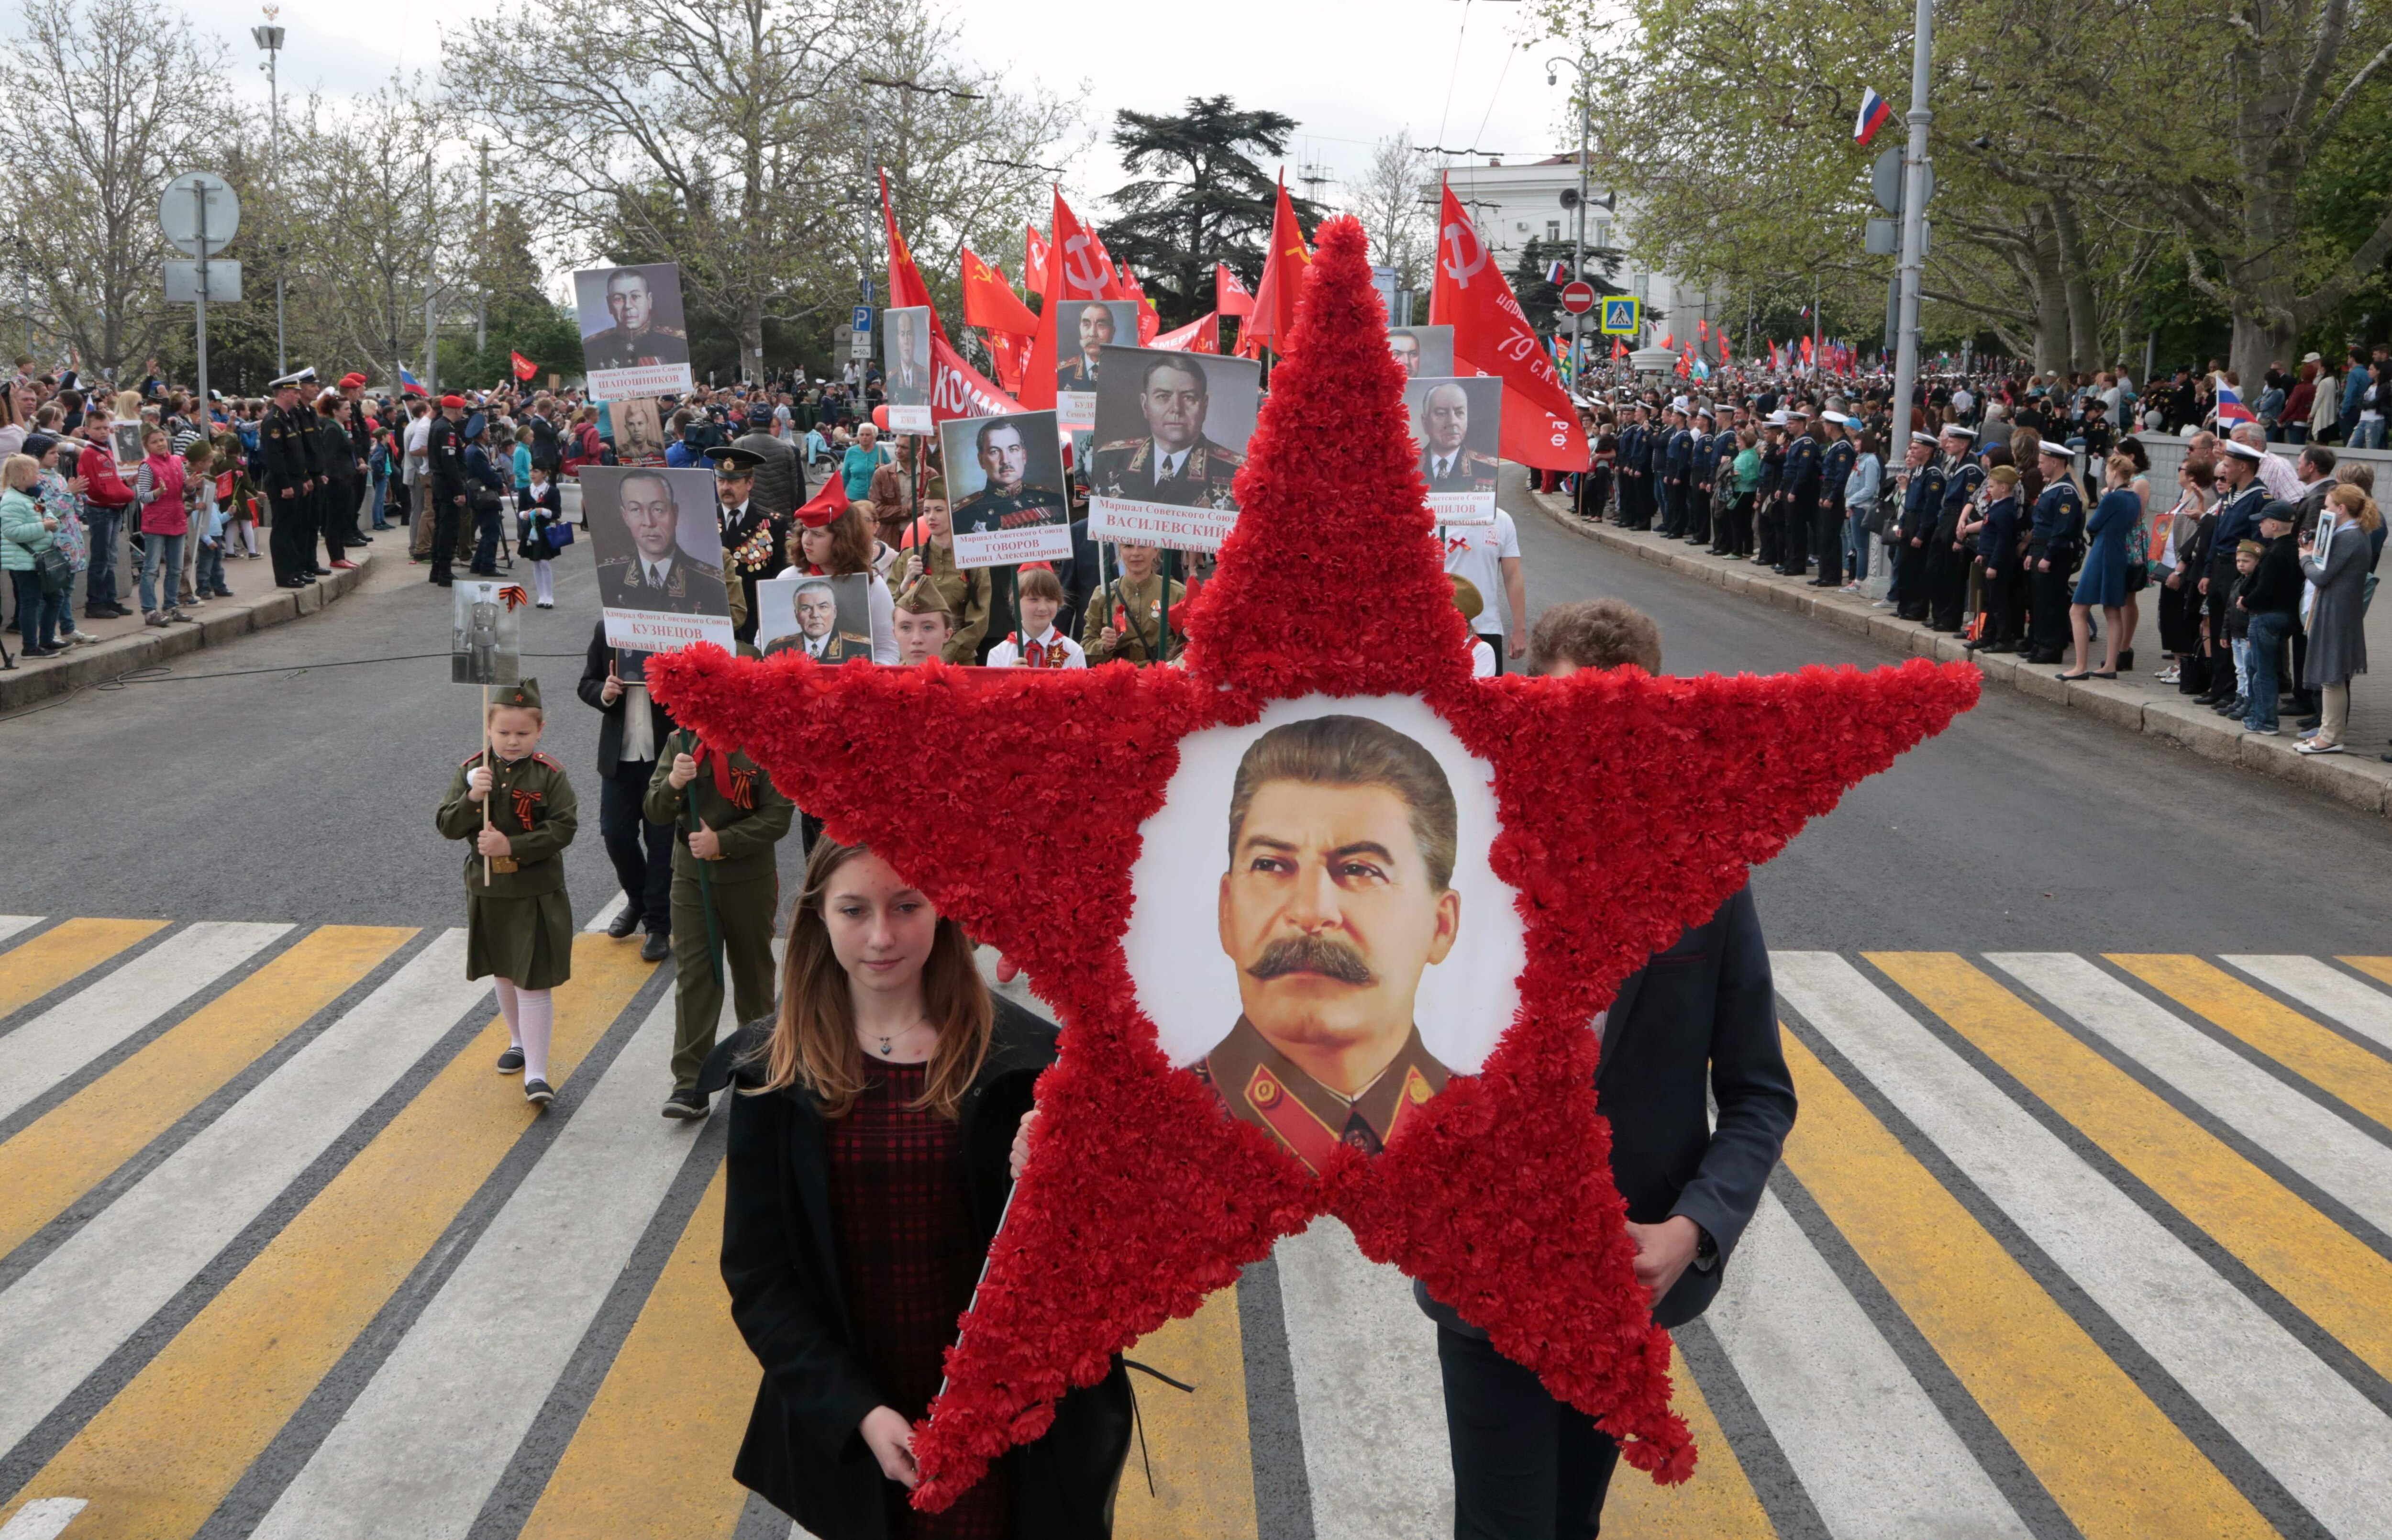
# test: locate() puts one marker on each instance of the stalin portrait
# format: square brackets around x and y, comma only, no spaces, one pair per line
[1006,501]
[1338,896]
[1174,463]
[657,575]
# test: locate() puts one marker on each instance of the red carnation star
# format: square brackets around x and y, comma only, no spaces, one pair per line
[1630,808]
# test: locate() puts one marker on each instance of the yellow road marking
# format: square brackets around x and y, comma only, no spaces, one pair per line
[62,1154]
[2109,1456]
[1717,1503]
[2325,1270]
[160,1456]
[2376,968]
[652,1457]
[32,968]
[1203,1460]
[2319,1054]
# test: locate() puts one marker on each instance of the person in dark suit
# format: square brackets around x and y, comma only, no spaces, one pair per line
[1700,1015]
[864,1183]
[632,729]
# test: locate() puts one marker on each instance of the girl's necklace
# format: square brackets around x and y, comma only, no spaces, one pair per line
[889,1039]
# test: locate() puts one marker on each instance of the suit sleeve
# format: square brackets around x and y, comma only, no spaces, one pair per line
[594,666]
[1751,1083]
[815,1379]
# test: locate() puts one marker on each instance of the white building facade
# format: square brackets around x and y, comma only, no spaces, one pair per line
[1514,203]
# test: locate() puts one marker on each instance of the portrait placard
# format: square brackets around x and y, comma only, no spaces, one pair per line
[638,430]
[484,634]
[905,377]
[660,556]
[1458,424]
[125,439]
[634,341]
[829,619]
[1171,433]
[1005,489]
[1083,329]
[1305,1020]
[1422,350]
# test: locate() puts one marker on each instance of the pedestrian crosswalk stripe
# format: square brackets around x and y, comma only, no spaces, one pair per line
[2074,1417]
[1197,1445]
[58,1157]
[12,924]
[428,1438]
[650,1459]
[63,1319]
[2323,1270]
[259,1348]
[43,1053]
[1878,1460]
[2320,1147]
[2327,991]
[40,963]
[2059,1248]
[2308,1427]
[2317,1053]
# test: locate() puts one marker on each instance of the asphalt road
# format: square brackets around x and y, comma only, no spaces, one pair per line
[292,777]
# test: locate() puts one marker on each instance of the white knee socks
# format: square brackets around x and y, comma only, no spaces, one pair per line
[544,583]
[530,1015]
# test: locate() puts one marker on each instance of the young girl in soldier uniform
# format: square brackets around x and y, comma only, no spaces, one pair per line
[518,921]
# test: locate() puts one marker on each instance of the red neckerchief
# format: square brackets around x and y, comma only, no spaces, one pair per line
[736,784]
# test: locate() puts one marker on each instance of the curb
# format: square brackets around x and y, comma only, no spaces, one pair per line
[2355,782]
[34,682]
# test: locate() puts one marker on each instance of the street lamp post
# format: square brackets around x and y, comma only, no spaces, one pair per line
[1914,222]
[269,37]
[1577,257]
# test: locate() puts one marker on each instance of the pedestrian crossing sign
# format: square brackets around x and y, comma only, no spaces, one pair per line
[1622,315]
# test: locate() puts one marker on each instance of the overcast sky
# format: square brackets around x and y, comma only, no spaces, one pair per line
[1448,72]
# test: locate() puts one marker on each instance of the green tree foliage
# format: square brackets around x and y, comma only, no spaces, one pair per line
[1201,197]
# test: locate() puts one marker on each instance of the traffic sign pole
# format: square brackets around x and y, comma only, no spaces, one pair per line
[200,197]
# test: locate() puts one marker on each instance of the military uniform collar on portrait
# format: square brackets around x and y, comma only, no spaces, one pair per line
[1261,1085]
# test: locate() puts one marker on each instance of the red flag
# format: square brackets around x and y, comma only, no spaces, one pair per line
[1284,264]
[1200,335]
[1702,331]
[1722,348]
[959,390]
[1492,335]
[1687,364]
[1075,269]
[1148,322]
[1229,296]
[1011,354]
[1668,339]
[525,369]
[990,302]
[1619,349]
[906,286]
[1033,260]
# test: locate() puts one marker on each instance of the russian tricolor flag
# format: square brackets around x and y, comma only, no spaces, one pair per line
[407,383]
[2230,405]
[1557,271]
[1874,115]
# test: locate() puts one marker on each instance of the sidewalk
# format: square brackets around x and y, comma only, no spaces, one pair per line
[126,645]
[2135,702]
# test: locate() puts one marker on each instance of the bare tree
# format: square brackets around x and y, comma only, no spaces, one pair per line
[1393,200]
[110,100]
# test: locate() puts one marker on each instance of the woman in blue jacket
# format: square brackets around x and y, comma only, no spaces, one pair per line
[2103,580]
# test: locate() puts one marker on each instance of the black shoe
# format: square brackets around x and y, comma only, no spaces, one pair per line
[2312,724]
[625,923]
[656,948]
[441,579]
[686,1105]
[321,571]
[2126,660]
[536,1093]
[511,1062]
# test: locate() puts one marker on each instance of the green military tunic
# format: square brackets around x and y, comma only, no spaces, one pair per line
[1259,1084]
[749,816]
[967,595]
[519,925]
[1141,638]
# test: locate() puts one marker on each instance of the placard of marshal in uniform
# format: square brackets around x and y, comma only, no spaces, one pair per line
[1422,350]
[1336,854]
[1005,489]
[1458,424]
[1171,435]
[484,634]
[827,618]
[660,556]
[634,341]
[1083,329]
[905,368]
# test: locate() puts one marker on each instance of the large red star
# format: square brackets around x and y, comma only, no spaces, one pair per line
[1631,806]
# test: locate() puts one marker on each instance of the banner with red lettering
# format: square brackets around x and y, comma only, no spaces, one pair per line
[959,390]
[1200,335]
[1492,335]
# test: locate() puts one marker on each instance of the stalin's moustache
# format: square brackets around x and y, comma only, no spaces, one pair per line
[1324,954]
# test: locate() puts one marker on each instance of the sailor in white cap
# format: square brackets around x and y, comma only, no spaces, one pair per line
[1950,556]
[2056,542]
[1827,518]
[1798,499]
[1922,504]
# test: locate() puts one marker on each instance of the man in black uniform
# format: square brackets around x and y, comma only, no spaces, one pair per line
[1949,556]
[1677,467]
[336,484]
[1798,494]
[754,541]
[286,449]
[2057,540]
[444,451]
[1828,509]
[1922,504]
[1632,513]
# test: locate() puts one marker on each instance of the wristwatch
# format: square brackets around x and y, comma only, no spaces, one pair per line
[1705,1250]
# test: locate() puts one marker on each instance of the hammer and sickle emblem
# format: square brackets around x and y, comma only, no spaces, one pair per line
[1087,278]
[1466,254]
